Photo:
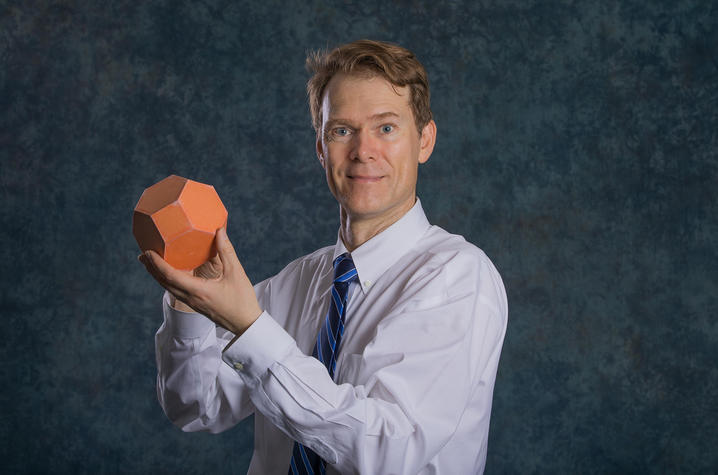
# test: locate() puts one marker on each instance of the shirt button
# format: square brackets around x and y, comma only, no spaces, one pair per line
[367,283]
[238,366]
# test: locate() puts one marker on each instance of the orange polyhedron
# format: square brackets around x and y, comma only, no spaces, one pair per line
[177,218]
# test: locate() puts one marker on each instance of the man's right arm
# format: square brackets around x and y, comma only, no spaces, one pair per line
[196,389]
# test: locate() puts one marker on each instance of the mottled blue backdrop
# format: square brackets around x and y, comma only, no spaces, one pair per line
[577,146]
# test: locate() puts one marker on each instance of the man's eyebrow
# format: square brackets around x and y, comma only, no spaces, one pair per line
[332,122]
[382,115]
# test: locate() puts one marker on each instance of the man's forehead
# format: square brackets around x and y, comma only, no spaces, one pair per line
[349,91]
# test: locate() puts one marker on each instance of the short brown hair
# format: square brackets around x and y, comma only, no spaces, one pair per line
[397,65]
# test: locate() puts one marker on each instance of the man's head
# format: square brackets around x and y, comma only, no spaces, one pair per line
[393,63]
[373,129]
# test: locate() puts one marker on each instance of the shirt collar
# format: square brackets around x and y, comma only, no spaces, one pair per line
[375,256]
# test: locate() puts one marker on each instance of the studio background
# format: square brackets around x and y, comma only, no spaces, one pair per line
[576,146]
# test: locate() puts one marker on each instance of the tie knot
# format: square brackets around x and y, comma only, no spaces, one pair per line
[344,270]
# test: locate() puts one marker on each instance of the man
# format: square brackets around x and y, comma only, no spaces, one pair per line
[375,355]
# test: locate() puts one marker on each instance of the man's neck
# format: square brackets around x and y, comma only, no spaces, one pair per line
[355,231]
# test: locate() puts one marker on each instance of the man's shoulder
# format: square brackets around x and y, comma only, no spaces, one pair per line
[453,259]
[442,245]
[449,264]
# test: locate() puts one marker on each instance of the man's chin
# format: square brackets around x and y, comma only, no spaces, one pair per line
[363,210]
[373,211]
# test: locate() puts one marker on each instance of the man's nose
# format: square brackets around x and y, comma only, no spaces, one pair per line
[365,146]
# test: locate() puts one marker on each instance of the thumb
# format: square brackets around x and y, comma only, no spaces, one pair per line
[225,250]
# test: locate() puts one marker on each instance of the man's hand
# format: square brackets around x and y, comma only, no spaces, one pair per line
[219,289]
[212,269]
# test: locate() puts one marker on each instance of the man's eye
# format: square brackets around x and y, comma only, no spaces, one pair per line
[341,131]
[387,128]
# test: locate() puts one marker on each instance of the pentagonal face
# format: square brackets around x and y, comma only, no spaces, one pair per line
[146,233]
[202,206]
[190,250]
[161,194]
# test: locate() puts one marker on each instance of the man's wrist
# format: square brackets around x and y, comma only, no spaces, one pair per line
[179,305]
[185,324]
[231,342]
[251,350]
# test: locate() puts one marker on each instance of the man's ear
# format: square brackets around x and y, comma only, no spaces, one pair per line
[320,150]
[427,141]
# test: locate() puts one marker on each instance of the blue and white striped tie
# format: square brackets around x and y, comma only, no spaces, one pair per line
[304,460]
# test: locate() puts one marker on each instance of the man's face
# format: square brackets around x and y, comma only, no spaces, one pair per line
[370,148]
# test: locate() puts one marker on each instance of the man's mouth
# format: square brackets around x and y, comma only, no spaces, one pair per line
[365,178]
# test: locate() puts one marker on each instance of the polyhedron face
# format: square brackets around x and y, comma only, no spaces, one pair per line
[178,218]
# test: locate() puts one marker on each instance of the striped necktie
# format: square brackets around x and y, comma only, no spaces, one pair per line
[304,460]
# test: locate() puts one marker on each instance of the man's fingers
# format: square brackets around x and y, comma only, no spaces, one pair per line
[149,265]
[175,281]
[176,278]
[225,250]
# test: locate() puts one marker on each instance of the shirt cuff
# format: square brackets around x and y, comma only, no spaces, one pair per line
[185,324]
[261,345]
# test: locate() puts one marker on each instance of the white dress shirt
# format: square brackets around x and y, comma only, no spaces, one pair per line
[416,369]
